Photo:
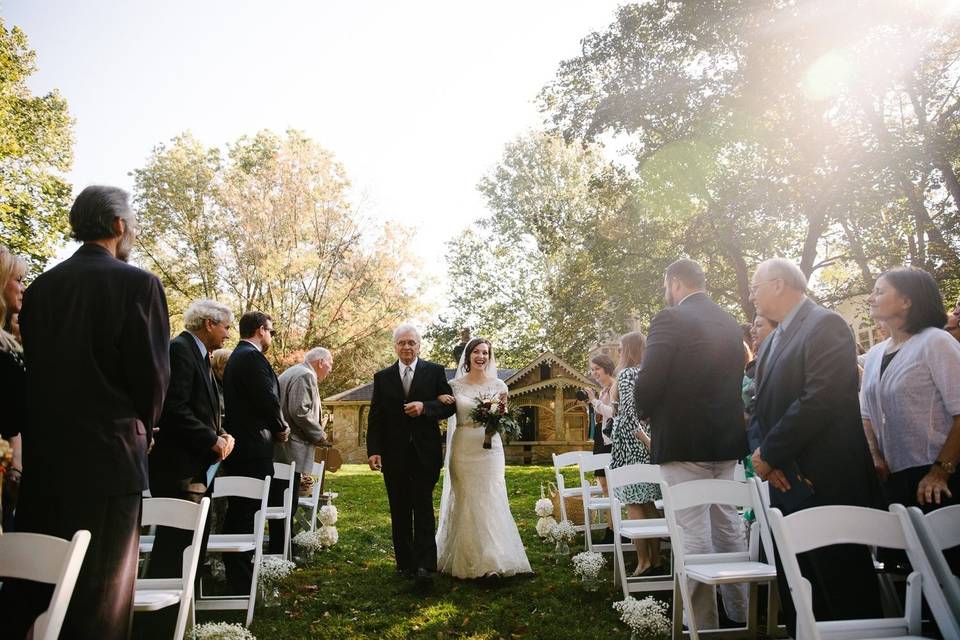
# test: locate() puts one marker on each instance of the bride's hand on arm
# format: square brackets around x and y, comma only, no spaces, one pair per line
[447,399]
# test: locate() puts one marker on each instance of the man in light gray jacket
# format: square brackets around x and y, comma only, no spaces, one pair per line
[300,405]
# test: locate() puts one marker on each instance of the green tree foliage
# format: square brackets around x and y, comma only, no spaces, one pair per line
[36,149]
[268,225]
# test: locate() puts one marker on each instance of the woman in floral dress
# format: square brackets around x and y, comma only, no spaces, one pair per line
[631,445]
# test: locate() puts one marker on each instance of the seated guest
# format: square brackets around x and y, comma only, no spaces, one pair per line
[13,376]
[910,401]
[300,404]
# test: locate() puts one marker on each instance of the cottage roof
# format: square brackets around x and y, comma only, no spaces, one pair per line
[548,357]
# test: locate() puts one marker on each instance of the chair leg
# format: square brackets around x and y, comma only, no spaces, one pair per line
[752,627]
[677,609]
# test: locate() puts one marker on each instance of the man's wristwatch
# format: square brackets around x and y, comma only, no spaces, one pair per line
[948,467]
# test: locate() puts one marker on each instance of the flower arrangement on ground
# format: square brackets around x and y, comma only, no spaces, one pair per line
[222,631]
[647,618]
[308,543]
[587,566]
[273,569]
[544,509]
[561,535]
[491,411]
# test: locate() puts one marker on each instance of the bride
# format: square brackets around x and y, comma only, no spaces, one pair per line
[477,535]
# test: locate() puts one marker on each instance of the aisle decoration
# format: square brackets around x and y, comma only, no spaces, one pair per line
[327,534]
[587,566]
[273,569]
[561,534]
[491,411]
[647,618]
[222,631]
[306,544]
[544,509]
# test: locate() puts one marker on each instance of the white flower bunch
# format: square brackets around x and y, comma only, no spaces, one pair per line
[562,530]
[222,631]
[588,564]
[309,540]
[328,515]
[544,525]
[647,617]
[544,507]
[328,536]
[273,569]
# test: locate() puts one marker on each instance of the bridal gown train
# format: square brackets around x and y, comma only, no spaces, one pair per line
[478,536]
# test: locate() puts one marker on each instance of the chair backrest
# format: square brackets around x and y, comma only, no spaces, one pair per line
[172,512]
[632,474]
[567,459]
[283,470]
[761,501]
[593,462]
[42,558]
[240,487]
[938,531]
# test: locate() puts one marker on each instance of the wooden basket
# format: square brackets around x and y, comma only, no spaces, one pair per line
[572,504]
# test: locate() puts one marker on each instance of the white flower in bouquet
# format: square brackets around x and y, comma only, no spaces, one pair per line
[328,515]
[588,564]
[646,618]
[544,525]
[328,536]
[308,540]
[273,569]
[563,530]
[544,507]
[222,631]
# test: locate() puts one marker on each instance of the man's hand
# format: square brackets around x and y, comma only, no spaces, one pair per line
[231,443]
[413,409]
[220,447]
[933,487]
[282,436]
[375,463]
[447,399]
[775,477]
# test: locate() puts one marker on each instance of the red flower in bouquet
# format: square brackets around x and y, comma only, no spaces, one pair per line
[493,414]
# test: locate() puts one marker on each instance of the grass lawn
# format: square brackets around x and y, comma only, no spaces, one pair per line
[352,591]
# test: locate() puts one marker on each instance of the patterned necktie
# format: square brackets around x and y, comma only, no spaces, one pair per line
[407,376]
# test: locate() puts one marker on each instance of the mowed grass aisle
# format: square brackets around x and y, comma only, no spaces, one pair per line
[352,591]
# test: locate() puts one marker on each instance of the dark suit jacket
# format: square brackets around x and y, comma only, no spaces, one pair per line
[251,395]
[690,383]
[189,424]
[808,411]
[96,338]
[390,431]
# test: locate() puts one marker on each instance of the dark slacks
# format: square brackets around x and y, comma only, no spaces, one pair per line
[239,519]
[276,500]
[102,604]
[410,492]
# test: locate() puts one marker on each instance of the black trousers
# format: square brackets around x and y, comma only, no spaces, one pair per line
[276,527]
[239,519]
[410,492]
[102,602]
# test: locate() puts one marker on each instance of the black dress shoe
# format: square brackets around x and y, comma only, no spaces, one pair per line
[407,572]
[425,577]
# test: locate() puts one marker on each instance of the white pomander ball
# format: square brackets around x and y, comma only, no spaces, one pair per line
[544,507]
[328,515]
[544,525]
[328,536]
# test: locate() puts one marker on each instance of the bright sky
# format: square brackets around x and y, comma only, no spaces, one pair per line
[416,99]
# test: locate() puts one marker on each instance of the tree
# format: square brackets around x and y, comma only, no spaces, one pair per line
[36,149]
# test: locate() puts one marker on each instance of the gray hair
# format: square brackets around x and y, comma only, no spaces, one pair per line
[783,269]
[406,327]
[317,353]
[200,310]
[95,209]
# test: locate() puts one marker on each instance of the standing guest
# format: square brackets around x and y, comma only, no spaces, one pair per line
[600,412]
[218,362]
[458,350]
[910,401]
[85,455]
[631,445]
[191,441]
[748,351]
[13,377]
[953,321]
[808,438]
[300,404]
[251,395]
[761,328]
[690,387]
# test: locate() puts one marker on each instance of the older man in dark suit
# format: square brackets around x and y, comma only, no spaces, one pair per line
[95,335]
[690,385]
[808,437]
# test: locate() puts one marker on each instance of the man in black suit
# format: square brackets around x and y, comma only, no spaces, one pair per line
[689,386]
[95,334]
[251,395]
[808,437]
[191,440]
[403,440]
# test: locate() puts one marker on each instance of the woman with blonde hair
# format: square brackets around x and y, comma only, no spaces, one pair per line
[13,376]
[631,445]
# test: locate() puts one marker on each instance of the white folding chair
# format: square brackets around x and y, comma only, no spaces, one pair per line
[560,461]
[283,471]
[938,531]
[634,529]
[592,501]
[838,524]
[154,594]
[310,504]
[712,569]
[41,558]
[240,487]
[761,501]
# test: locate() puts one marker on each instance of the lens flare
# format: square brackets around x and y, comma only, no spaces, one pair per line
[828,76]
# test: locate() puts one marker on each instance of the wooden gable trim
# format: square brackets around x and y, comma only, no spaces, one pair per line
[550,357]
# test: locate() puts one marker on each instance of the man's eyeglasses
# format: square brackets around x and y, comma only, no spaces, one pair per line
[755,287]
[272,332]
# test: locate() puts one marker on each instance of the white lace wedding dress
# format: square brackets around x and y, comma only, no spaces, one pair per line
[477,535]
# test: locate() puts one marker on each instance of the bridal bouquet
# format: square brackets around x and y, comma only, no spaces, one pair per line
[491,411]
[647,618]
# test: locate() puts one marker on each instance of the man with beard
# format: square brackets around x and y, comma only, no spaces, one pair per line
[95,335]
[251,395]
